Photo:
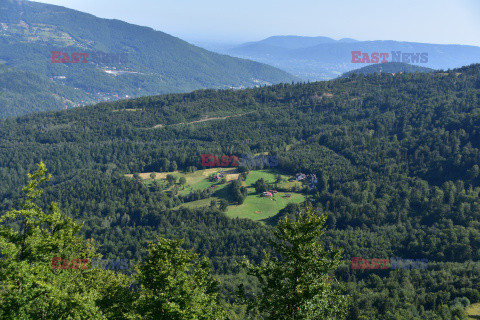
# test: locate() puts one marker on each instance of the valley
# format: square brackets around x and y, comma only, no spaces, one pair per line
[396,159]
[183,163]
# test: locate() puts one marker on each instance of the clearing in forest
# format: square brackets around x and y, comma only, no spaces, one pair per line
[255,206]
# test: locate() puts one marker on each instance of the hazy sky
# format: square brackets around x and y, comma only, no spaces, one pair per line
[432,21]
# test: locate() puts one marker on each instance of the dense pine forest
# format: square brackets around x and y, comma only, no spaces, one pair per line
[397,160]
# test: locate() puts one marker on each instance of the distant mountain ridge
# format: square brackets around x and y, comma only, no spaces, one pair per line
[295,42]
[323,58]
[157,62]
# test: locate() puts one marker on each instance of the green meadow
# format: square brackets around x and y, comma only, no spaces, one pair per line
[473,311]
[255,206]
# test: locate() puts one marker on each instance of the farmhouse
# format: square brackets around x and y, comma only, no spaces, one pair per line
[300,176]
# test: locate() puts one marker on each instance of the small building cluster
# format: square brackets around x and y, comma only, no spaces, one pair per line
[269,193]
[300,176]
[311,178]
[218,176]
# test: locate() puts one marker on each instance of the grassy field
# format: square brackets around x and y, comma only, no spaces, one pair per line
[473,311]
[198,203]
[269,176]
[199,179]
[255,207]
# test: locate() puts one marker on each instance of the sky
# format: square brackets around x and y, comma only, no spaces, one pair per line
[234,22]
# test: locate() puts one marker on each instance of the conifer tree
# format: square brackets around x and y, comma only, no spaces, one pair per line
[31,285]
[176,285]
[296,280]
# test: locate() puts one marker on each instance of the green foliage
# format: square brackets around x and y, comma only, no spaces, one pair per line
[390,67]
[22,92]
[395,159]
[223,205]
[157,62]
[182,180]
[237,191]
[260,186]
[171,179]
[30,287]
[175,285]
[297,281]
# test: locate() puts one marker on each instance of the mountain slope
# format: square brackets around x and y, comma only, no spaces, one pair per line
[326,58]
[397,161]
[23,92]
[156,62]
[390,67]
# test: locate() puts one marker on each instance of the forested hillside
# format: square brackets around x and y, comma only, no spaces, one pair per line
[153,62]
[397,159]
[389,67]
[23,92]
